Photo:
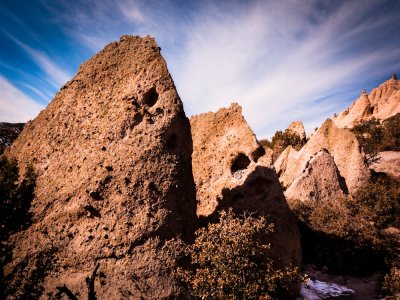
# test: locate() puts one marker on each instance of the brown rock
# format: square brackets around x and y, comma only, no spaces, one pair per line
[298,128]
[382,103]
[320,180]
[112,150]
[281,163]
[389,163]
[342,145]
[231,170]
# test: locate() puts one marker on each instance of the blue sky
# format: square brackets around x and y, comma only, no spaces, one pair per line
[280,60]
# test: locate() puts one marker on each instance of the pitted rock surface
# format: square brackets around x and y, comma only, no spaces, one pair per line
[112,153]
[232,170]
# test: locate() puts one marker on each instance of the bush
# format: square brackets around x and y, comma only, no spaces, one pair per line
[391,284]
[281,140]
[15,196]
[375,137]
[230,262]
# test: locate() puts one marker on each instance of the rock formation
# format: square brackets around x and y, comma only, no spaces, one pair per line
[382,103]
[389,163]
[231,170]
[297,128]
[345,150]
[112,153]
[320,180]
[8,133]
[281,163]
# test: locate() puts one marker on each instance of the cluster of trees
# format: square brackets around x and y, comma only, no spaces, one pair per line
[375,136]
[281,140]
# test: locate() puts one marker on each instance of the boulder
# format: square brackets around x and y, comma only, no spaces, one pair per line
[320,180]
[112,154]
[232,170]
[281,163]
[342,145]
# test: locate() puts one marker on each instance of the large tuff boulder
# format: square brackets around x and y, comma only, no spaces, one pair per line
[320,180]
[345,150]
[232,170]
[382,103]
[112,153]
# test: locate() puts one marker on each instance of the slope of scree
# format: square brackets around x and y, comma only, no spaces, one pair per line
[232,170]
[112,153]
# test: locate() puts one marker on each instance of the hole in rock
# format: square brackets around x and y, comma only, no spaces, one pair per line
[241,162]
[260,151]
[150,97]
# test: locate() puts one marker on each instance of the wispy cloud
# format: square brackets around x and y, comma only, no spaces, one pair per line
[15,106]
[280,60]
[55,75]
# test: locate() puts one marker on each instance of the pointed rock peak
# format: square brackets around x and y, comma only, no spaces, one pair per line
[364,93]
[298,128]
[236,107]
[394,76]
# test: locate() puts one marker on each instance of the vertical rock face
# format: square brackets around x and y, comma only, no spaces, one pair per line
[344,148]
[232,170]
[112,153]
[382,103]
[320,180]
[298,128]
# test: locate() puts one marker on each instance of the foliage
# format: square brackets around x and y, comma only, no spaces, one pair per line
[230,261]
[281,140]
[15,195]
[391,284]
[378,202]
[375,137]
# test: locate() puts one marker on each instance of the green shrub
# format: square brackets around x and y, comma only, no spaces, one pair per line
[375,136]
[281,140]
[230,262]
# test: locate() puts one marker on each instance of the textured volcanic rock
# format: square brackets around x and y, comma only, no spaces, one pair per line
[112,153]
[232,170]
[342,145]
[281,163]
[8,133]
[298,128]
[320,180]
[382,103]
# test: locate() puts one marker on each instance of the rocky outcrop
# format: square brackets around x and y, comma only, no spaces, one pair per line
[297,128]
[8,133]
[320,181]
[382,103]
[345,150]
[231,170]
[112,153]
